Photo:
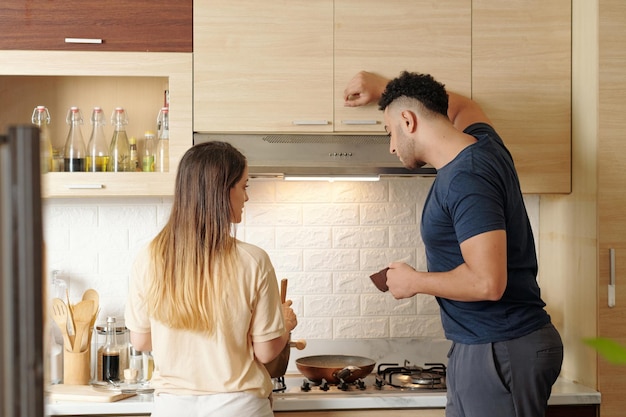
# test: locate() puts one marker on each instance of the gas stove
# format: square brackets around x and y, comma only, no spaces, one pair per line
[389,378]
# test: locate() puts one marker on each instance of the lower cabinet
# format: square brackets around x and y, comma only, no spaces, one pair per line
[587,410]
[583,410]
[439,412]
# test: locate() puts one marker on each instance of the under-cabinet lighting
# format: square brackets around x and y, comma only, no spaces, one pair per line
[332,178]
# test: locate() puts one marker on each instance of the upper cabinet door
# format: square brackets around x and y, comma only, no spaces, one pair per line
[521,75]
[417,36]
[263,66]
[104,25]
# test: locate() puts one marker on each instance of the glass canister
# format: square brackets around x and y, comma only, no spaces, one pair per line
[99,341]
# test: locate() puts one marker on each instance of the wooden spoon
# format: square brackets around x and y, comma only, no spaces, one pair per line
[59,314]
[93,295]
[83,313]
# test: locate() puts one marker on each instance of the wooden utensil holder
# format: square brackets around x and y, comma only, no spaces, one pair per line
[76,367]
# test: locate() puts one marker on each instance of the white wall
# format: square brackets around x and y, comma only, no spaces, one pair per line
[326,238]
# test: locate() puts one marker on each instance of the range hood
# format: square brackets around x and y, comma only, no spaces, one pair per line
[309,156]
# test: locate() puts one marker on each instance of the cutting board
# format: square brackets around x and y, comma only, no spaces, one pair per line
[85,393]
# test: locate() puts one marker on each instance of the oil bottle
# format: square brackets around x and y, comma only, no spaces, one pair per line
[109,355]
[74,151]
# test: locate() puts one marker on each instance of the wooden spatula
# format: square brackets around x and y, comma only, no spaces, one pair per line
[59,315]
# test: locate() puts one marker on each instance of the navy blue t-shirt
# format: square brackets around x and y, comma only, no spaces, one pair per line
[478,192]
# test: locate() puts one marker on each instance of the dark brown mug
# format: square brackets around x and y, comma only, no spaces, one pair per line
[380,279]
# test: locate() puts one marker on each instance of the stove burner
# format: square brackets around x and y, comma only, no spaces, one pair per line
[279,384]
[412,377]
[307,385]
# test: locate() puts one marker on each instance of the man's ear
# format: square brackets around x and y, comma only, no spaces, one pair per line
[409,119]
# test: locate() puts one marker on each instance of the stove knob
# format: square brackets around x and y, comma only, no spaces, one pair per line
[306,386]
[324,386]
[360,384]
[343,386]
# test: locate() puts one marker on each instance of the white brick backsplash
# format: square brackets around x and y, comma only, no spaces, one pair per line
[374,260]
[300,192]
[426,304]
[263,237]
[361,328]
[352,283]
[332,305]
[421,326]
[307,283]
[313,328]
[409,190]
[326,238]
[389,213]
[272,215]
[331,214]
[405,236]
[360,237]
[331,260]
[349,192]
[66,216]
[303,237]
[286,260]
[262,190]
[383,304]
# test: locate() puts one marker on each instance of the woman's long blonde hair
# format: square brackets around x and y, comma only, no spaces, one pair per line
[194,255]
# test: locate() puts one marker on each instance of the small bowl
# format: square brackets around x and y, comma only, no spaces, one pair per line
[380,280]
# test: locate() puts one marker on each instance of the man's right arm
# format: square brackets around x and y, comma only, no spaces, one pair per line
[463,112]
[366,88]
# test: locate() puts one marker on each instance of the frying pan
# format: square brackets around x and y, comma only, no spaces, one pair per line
[332,368]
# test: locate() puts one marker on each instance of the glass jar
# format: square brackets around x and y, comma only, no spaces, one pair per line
[99,342]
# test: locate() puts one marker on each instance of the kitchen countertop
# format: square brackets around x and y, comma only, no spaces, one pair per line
[564,392]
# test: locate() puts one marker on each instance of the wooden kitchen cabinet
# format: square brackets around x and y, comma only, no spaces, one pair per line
[135,81]
[402,35]
[422,412]
[263,66]
[138,25]
[578,231]
[283,67]
[611,197]
[521,75]
[589,410]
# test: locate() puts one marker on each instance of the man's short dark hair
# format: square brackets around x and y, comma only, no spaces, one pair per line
[422,87]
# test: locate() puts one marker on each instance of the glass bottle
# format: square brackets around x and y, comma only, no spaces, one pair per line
[97,149]
[147,160]
[136,362]
[148,365]
[134,157]
[162,161]
[41,118]
[119,152]
[74,151]
[109,354]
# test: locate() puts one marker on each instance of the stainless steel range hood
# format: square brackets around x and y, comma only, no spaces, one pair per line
[316,155]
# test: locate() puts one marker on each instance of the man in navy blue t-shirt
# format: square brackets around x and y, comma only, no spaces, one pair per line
[480,250]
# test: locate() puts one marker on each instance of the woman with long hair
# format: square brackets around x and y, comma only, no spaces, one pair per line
[206,304]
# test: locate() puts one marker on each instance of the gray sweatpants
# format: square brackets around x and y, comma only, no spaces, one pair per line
[513,378]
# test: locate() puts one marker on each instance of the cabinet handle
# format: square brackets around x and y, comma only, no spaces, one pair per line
[359,122]
[84,186]
[82,40]
[310,122]
[612,277]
